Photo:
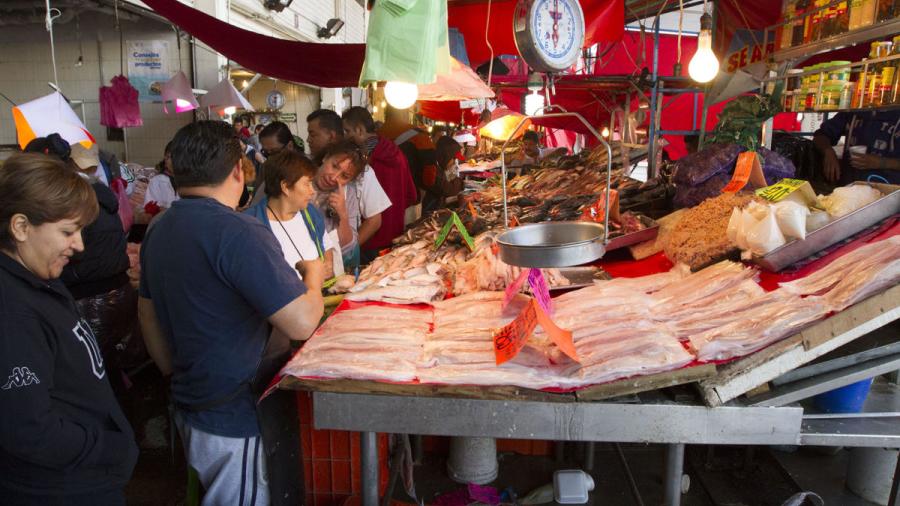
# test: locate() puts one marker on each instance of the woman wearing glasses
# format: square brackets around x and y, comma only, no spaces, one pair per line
[287,210]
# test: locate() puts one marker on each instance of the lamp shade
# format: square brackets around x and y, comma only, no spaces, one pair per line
[46,115]
[179,91]
[503,125]
[225,95]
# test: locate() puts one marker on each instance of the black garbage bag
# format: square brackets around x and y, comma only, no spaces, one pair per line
[113,318]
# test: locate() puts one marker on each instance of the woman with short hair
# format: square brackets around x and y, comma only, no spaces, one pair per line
[288,211]
[65,439]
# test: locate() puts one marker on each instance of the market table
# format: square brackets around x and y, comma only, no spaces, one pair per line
[648,417]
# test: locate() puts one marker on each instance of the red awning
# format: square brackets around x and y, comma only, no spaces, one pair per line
[327,65]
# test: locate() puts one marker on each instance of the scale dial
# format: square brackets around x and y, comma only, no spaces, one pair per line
[549,33]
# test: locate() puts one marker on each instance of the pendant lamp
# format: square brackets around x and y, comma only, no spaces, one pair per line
[179,91]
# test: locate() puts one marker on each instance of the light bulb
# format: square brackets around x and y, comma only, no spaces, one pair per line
[534,102]
[230,110]
[401,95]
[182,105]
[704,65]
[374,108]
[605,132]
[383,103]
[244,84]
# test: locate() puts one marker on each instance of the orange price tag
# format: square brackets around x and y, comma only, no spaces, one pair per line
[596,212]
[746,169]
[510,339]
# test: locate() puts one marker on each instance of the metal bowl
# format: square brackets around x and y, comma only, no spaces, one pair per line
[552,244]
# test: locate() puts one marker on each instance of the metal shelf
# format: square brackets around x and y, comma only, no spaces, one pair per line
[890,107]
[876,31]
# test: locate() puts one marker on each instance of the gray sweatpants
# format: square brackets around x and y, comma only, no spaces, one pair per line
[232,470]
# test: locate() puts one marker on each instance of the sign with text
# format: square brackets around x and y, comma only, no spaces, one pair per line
[540,290]
[148,67]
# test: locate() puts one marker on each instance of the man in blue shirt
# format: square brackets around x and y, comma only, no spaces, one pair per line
[877,131]
[213,284]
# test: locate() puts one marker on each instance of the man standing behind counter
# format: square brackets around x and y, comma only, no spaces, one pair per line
[393,174]
[213,284]
[877,132]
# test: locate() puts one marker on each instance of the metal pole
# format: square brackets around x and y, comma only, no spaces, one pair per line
[654,98]
[368,449]
[674,471]
[894,499]
[589,456]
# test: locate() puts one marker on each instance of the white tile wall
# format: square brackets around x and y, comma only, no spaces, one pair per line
[25,69]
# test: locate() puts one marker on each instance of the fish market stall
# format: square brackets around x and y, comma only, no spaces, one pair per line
[728,326]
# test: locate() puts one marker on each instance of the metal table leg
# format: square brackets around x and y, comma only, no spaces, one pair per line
[368,447]
[674,472]
[894,499]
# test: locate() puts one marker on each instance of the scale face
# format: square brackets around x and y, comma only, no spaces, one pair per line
[549,33]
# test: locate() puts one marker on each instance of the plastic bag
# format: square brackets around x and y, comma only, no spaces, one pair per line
[791,218]
[846,199]
[734,225]
[126,215]
[765,235]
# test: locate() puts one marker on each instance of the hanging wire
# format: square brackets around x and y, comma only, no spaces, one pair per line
[487,25]
[680,20]
[52,14]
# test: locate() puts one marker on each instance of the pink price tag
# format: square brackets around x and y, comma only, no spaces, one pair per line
[513,289]
[540,290]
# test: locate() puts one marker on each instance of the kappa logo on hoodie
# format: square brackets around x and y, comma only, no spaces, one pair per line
[84,334]
[20,377]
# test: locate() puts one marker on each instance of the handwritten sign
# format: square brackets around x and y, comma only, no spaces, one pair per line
[540,290]
[789,189]
[454,221]
[747,169]
[513,289]
[510,339]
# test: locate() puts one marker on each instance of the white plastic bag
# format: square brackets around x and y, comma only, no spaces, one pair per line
[765,236]
[734,225]
[846,199]
[748,222]
[791,218]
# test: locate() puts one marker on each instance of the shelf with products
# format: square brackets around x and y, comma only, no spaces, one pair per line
[877,30]
[888,107]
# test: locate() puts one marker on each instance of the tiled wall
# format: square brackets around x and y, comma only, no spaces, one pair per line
[25,69]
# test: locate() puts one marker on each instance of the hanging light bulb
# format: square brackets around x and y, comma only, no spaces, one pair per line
[704,65]
[244,84]
[605,132]
[534,102]
[230,110]
[401,95]
[374,108]
[183,105]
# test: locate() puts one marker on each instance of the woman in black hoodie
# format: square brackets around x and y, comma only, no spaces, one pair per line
[97,276]
[63,437]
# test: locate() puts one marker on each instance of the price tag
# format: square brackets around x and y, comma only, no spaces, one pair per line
[540,290]
[514,222]
[786,189]
[596,212]
[445,231]
[562,337]
[747,169]
[472,209]
[510,339]
[513,289]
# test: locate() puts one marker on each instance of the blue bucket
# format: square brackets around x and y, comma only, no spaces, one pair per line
[848,399]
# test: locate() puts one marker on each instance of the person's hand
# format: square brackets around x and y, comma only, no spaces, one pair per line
[831,166]
[313,272]
[337,202]
[865,162]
